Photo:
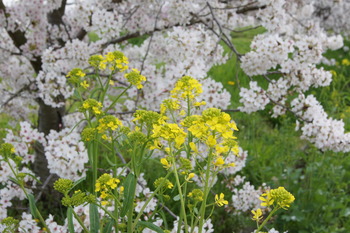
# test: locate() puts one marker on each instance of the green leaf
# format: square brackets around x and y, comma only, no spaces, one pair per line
[70,220]
[129,192]
[177,197]
[33,176]
[150,226]
[94,219]
[78,182]
[108,227]
[32,206]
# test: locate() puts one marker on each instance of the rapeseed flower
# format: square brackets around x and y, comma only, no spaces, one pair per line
[257,215]
[135,78]
[186,87]
[219,200]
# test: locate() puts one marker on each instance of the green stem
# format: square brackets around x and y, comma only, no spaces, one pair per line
[94,165]
[206,192]
[115,101]
[116,212]
[267,219]
[80,222]
[107,212]
[106,88]
[183,210]
[25,192]
[148,200]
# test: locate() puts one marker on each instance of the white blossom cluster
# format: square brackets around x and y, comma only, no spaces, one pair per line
[246,197]
[325,132]
[24,142]
[253,99]
[239,161]
[66,154]
[207,227]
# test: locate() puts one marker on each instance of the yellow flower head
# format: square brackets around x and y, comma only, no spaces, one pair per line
[106,183]
[282,197]
[165,163]
[187,87]
[345,62]
[135,78]
[220,201]
[219,161]
[266,199]
[92,105]
[169,104]
[170,132]
[84,84]
[257,215]
[108,122]
[163,182]
[196,194]
[189,177]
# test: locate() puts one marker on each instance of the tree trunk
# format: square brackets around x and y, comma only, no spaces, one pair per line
[49,118]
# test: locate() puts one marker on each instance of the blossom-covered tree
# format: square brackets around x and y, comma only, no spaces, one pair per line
[42,40]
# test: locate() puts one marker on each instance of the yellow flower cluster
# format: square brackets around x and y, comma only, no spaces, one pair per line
[215,129]
[196,194]
[88,134]
[187,87]
[170,132]
[6,149]
[75,76]
[135,78]
[105,184]
[93,106]
[78,198]
[108,122]
[163,182]
[112,60]
[169,104]
[148,118]
[279,197]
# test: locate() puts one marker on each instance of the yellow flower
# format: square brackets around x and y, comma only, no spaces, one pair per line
[165,163]
[282,197]
[197,104]
[189,177]
[211,141]
[104,203]
[257,215]
[194,147]
[231,83]
[345,62]
[186,87]
[135,78]
[220,201]
[196,194]
[84,84]
[266,198]
[219,162]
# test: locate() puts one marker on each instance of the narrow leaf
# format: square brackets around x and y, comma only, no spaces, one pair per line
[33,176]
[78,182]
[129,192]
[32,206]
[108,227]
[94,219]
[70,220]
[150,226]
